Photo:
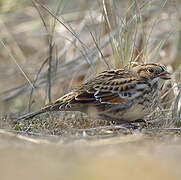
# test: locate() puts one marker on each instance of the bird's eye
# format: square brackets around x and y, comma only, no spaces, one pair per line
[150,70]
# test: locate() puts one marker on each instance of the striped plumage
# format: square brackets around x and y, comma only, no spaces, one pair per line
[115,95]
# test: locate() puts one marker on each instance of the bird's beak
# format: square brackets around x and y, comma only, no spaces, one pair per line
[165,75]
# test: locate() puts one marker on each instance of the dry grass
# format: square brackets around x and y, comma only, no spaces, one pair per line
[49,48]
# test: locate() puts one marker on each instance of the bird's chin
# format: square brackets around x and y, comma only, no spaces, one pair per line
[161,83]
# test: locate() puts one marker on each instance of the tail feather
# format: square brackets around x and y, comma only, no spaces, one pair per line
[49,107]
[31,115]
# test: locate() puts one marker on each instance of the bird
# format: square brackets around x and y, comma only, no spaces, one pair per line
[118,95]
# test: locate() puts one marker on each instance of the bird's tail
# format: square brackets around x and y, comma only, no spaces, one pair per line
[58,105]
[33,114]
[30,115]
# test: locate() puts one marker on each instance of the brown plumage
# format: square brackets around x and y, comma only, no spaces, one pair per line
[116,95]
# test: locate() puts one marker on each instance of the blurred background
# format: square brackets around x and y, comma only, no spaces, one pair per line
[49,47]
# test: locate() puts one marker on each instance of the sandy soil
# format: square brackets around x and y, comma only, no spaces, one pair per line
[134,156]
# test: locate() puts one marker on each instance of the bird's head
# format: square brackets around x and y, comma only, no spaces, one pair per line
[152,71]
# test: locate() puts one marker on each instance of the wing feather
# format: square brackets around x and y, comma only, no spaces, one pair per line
[110,87]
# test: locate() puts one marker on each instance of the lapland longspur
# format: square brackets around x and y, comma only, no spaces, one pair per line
[116,95]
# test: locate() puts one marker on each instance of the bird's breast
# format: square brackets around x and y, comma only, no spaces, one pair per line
[139,108]
[137,111]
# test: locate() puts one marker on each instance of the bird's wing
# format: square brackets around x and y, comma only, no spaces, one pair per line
[115,91]
[110,87]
